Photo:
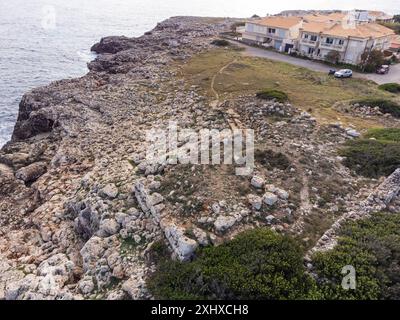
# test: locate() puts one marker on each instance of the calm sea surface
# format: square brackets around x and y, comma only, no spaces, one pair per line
[42,41]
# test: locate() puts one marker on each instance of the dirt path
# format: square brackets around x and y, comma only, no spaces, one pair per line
[233,118]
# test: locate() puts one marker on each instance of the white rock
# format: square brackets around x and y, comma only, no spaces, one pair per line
[108,227]
[255,201]
[223,223]
[109,191]
[283,194]
[257,182]
[183,246]
[270,219]
[216,208]
[353,133]
[201,236]
[270,198]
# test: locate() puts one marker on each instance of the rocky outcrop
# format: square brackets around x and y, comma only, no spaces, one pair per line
[152,203]
[68,217]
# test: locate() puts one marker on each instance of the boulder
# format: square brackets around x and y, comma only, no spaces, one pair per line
[270,199]
[182,246]
[32,172]
[223,223]
[255,201]
[282,194]
[257,182]
[108,227]
[109,191]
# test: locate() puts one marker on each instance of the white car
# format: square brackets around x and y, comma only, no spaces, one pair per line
[344,73]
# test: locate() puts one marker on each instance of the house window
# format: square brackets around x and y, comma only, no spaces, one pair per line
[341,42]
[314,38]
[270,30]
[311,50]
[329,40]
[306,36]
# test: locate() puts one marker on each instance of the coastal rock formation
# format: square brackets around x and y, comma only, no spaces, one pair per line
[81,206]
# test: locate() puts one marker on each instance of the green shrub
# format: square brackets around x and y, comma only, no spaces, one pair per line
[387,134]
[257,264]
[372,246]
[385,106]
[391,87]
[220,43]
[270,94]
[372,158]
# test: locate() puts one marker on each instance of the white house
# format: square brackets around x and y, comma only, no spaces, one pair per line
[317,39]
[278,32]
[316,35]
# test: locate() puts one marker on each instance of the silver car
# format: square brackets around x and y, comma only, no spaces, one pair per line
[344,73]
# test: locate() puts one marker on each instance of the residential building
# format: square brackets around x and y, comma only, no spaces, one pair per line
[395,46]
[317,39]
[278,32]
[316,35]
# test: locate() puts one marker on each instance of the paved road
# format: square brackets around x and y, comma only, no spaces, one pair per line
[393,76]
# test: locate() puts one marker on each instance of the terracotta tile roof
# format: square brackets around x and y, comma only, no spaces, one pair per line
[326,17]
[278,22]
[380,15]
[396,40]
[338,29]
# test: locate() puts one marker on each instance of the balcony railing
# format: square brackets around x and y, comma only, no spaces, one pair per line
[308,41]
[326,45]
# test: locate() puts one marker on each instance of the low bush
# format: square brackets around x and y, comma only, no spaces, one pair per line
[372,158]
[270,94]
[391,87]
[220,43]
[384,105]
[387,134]
[377,154]
[372,247]
[272,159]
[257,264]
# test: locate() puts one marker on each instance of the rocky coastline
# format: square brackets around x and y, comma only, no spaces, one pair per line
[80,209]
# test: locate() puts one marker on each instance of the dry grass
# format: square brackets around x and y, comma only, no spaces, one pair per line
[306,89]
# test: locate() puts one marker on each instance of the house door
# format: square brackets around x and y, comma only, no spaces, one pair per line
[288,47]
[278,45]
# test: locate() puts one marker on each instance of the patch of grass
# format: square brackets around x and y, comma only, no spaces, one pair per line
[388,134]
[390,87]
[304,87]
[384,105]
[372,247]
[374,158]
[272,94]
[129,245]
[257,264]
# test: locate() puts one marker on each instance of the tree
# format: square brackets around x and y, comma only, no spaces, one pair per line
[333,57]
[396,18]
[371,60]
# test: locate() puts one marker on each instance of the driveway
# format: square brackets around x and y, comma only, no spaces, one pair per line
[393,76]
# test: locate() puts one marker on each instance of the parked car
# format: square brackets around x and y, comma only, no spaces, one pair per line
[344,73]
[383,69]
